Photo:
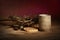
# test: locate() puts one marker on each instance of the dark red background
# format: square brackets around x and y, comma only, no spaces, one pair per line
[29,7]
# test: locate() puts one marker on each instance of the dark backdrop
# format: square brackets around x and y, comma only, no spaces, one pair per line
[29,7]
